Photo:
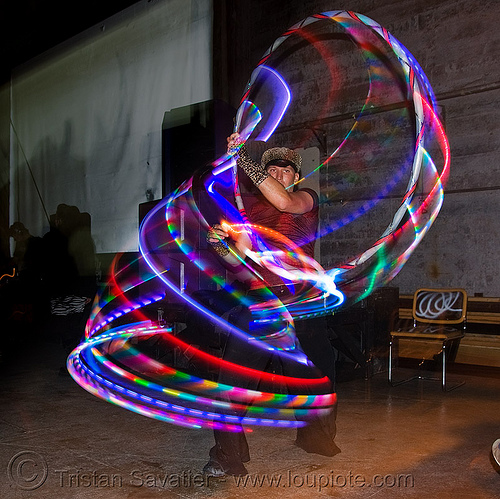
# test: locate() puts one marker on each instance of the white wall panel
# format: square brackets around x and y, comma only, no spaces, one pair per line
[88,115]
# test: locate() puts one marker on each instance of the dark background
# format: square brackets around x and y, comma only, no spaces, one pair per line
[29,28]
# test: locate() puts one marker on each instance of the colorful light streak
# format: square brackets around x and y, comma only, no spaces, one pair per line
[121,386]
[110,363]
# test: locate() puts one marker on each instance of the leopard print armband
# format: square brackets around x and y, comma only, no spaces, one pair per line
[220,248]
[255,172]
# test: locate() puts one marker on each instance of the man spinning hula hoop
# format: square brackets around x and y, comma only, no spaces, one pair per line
[294,214]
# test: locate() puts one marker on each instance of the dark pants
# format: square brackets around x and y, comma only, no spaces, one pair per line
[231,448]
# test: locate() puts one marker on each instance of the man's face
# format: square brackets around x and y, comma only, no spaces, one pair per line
[285,175]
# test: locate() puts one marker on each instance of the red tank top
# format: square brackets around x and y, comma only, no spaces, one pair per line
[300,229]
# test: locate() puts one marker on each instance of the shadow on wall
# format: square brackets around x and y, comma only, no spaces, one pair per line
[71,252]
[49,296]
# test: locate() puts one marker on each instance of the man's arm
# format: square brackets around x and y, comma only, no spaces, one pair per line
[282,199]
[229,244]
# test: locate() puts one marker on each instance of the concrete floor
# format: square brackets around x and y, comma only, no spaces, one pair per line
[411,441]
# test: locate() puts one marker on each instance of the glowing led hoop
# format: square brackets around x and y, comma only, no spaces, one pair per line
[195,402]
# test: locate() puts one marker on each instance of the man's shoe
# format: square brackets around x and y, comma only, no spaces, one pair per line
[215,469]
[324,449]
